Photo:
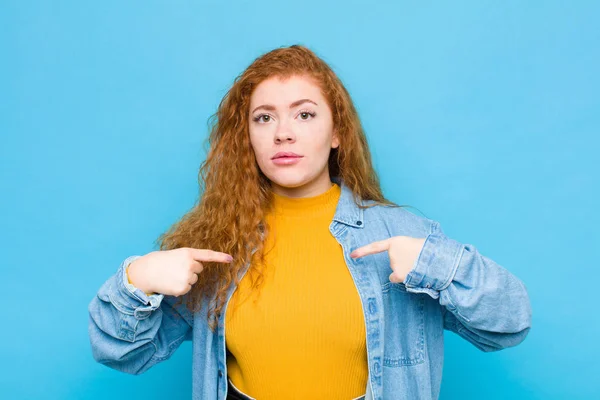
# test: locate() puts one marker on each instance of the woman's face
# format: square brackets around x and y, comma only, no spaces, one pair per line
[292,116]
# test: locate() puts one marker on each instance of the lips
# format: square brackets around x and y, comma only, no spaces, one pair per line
[285,154]
[286,160]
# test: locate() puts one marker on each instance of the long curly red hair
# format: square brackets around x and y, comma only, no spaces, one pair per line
[234,193]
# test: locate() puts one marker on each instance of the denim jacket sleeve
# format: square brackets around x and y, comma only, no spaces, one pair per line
[483,302]
[131,331]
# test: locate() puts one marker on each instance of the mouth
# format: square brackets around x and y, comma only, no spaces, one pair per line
[286,160]
[285,154]
[280,157]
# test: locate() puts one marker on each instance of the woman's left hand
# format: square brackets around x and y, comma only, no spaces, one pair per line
[403,252]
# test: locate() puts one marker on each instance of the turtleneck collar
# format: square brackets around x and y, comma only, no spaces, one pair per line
[325,202]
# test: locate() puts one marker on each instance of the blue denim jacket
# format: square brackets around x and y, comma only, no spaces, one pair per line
[451,286]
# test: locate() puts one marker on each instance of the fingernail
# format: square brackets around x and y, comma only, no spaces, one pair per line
[230,259]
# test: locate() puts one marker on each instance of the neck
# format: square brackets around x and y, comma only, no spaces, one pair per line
[310,189]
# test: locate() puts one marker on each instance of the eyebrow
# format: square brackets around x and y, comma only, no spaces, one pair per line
[294,104]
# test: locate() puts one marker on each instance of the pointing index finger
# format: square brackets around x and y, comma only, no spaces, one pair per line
[371,248]
[210,255]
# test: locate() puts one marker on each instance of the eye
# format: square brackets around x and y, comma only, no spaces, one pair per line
[258,117]
[304,115]
[307,113]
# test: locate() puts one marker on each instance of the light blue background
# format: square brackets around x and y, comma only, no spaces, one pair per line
[482,115]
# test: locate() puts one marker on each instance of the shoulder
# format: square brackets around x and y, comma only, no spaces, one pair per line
[397,220]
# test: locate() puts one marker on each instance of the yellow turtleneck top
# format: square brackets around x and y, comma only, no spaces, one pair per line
[303,336]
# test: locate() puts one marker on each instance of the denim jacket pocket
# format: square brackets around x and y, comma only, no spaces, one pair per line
[404,326]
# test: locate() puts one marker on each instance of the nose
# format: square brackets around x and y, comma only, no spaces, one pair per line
[284,133]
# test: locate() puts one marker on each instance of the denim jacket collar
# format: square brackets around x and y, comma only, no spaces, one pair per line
[347,212]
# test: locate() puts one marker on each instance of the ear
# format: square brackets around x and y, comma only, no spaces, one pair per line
[335,141]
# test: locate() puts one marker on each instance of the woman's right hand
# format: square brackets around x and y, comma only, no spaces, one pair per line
[171,272]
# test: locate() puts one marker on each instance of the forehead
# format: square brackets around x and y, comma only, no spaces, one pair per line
[282,92]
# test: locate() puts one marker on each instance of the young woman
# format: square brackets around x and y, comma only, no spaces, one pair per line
[293,276]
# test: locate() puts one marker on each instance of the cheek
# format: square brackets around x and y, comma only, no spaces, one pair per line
[260,148]
[324,145]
